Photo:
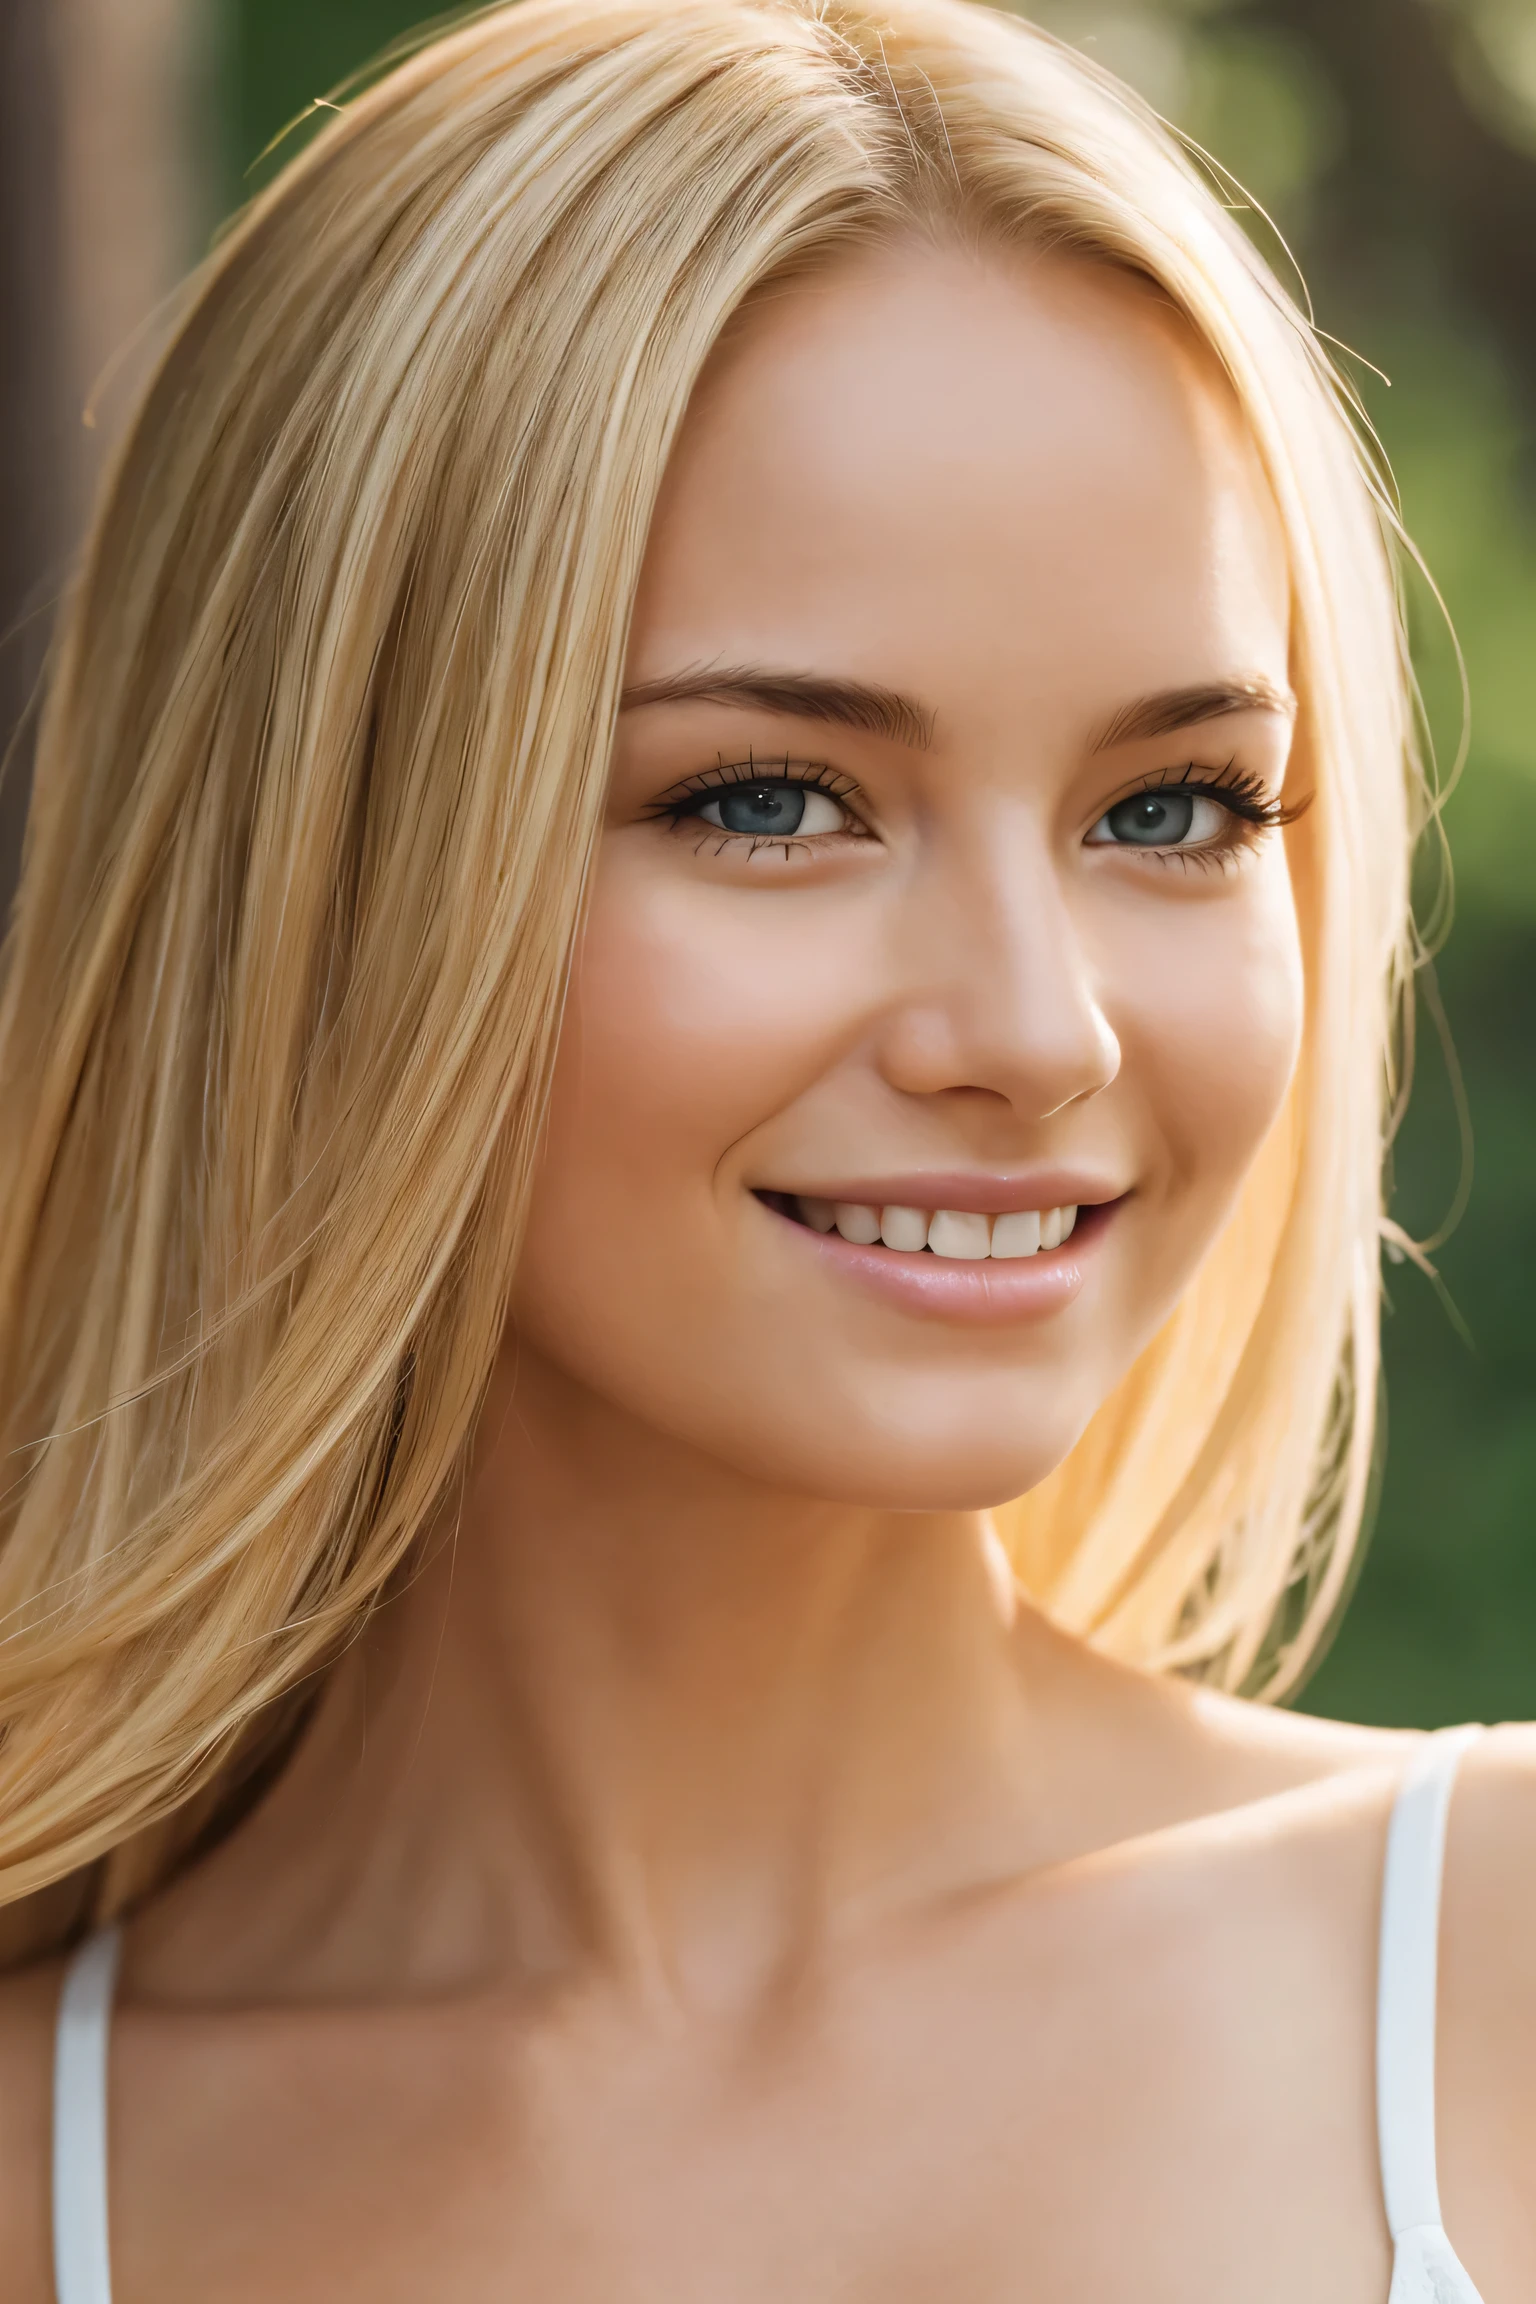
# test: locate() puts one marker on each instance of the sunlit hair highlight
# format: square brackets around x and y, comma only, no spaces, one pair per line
[319,775]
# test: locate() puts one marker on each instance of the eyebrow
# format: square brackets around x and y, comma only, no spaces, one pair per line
[1174,708]
[801,695]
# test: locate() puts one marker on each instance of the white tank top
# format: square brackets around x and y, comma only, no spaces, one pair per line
[1425,2266]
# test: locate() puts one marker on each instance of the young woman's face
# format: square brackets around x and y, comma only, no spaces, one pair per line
[939,887]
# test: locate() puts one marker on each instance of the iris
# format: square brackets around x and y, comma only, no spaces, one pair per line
[1152,819]
[769,809]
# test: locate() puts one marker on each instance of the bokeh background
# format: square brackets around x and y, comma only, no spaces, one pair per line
[1387,148]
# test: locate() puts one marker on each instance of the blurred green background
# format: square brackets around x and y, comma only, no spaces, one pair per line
[1392,144]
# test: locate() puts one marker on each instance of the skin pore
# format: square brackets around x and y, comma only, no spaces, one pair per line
[709,1880]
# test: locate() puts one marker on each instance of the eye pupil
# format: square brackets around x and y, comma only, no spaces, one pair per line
[764,808]
[1153,819]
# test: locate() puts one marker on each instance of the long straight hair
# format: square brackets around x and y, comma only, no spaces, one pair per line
[319,776]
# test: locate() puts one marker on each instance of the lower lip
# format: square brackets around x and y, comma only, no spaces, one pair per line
[992,1291]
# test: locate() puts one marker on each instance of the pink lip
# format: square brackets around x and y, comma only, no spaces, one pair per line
[991,1292]
[971,1191]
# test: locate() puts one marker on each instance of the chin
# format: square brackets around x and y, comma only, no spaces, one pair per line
[963,1469]
[945,1486]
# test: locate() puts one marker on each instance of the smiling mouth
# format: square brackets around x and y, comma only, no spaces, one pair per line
[958,1235]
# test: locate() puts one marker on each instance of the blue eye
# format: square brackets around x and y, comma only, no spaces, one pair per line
[1176,817]
[772,810]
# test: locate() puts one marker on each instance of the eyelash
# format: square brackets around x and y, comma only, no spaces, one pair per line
[1240,791]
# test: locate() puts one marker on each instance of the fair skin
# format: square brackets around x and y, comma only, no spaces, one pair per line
[710,1881]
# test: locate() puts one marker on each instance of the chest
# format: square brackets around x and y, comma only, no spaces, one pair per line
[1093,2122]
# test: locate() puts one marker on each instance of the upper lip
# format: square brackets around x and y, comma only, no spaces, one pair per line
[970,1191]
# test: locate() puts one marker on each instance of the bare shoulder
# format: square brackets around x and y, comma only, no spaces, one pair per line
[1488,1928]
[1344,1778]
[28,2002]
[1261,1749]
[1487,2032]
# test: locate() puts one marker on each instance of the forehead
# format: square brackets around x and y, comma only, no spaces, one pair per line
[995,479]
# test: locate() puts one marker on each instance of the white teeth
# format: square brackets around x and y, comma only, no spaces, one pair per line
[904,1227]
[857,1223]
[952,1233]
[1017,1235]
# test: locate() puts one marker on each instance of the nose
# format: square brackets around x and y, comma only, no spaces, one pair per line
[997,992]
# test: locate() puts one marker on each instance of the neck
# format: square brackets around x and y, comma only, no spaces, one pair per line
[640,1714]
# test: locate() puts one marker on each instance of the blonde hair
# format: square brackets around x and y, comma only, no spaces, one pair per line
[318,776]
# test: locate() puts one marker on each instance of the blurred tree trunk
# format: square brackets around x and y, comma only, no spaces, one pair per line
[1422,173]
[33,447]
[106,158]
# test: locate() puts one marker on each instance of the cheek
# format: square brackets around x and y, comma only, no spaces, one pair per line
[1212,1029]
[693,1018]
[690,1020]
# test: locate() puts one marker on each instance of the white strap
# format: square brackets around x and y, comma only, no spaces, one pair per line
[82,2267]
[1406,1986]
[1427,2270]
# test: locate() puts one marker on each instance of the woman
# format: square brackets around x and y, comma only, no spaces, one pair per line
[696,1054]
